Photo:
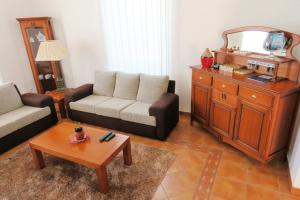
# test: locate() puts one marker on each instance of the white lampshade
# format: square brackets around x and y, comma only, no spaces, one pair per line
[51,50]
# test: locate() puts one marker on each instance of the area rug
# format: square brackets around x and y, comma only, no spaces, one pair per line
[62,179]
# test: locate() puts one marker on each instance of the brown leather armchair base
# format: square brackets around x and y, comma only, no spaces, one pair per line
[36,100]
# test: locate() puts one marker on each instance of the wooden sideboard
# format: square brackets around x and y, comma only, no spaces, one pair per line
[255,118]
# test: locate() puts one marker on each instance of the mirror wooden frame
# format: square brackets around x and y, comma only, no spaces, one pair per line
[289,50]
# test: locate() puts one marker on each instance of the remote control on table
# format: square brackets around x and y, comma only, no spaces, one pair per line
[105,136]
[110,137]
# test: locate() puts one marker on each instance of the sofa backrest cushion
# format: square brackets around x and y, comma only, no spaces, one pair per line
[127,85]
[9,98]
[104,83]
[152,87]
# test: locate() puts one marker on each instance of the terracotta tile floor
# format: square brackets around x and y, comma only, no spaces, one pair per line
[208,169]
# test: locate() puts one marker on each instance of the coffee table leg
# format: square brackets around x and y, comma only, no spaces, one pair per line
[102,179]
[38,158]
[127,153]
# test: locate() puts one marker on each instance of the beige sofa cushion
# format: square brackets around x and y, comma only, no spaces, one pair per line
[9,98]
[7,127]
[104,83]
[139,113]
[127,85]
[20,117]
[88,103]
[112,107]
[152,87]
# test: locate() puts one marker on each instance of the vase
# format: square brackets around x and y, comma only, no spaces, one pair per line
[207,59]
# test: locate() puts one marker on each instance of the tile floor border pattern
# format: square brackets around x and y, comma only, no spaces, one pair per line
[208,175]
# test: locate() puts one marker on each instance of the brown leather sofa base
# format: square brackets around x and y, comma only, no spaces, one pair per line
[165,110]
[13,139]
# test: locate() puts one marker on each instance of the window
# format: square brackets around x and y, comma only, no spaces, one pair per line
[137,35]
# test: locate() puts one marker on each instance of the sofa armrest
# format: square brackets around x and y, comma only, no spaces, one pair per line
[36,100]
[41,101]
[166,112]
[76,94]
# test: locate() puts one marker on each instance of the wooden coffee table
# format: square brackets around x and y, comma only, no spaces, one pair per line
[91,153]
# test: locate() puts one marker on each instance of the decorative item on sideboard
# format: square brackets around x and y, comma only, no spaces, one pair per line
[207,59]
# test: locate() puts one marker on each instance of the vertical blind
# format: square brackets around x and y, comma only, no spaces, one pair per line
[137,35]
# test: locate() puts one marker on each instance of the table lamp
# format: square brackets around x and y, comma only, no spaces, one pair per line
[53,51]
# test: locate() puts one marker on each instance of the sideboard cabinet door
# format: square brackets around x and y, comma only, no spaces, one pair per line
[200,102]
[222,118]
[251,127]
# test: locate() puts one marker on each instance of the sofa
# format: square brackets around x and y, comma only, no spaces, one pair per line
[23,116]
[136,103]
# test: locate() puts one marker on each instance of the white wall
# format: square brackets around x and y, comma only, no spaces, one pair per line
[14,64]
[201,24]
[197,24]
[294,154]
[75,22]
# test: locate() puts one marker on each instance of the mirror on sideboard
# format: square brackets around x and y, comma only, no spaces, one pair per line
[270,43]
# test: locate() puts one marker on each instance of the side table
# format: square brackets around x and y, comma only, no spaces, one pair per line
[59,98]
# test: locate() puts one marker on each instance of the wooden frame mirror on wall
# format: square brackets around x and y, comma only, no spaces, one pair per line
[34,31]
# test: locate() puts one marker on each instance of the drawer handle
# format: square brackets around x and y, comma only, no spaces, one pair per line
[223,85]
[200,77]
[253,96]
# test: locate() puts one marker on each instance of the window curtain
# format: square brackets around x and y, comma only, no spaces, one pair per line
[137,35]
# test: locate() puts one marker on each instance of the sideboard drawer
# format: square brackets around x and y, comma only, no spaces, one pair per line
[202,78]
[225,86]
[224,98]
[256,96]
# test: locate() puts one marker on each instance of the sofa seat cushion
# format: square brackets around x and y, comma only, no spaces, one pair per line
[139,113]
[112,107]
[7,127]
[127,85]
[9,98]
[104,83]
[88,103]
[152,87]
[23,116]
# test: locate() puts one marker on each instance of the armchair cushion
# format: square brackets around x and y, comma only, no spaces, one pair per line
[127,85]
[87,104]
[6,127]
[9,97]
[139,113]
[20,117]
[104,83]
[40,101]
[152,87]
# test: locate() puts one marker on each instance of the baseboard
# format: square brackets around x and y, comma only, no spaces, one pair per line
[293,190]
[184,113]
